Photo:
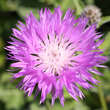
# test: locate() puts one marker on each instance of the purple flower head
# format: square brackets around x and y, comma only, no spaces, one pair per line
[56,52]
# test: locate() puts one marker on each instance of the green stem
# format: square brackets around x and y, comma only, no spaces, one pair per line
[102,99]
[78,6]
[48,105]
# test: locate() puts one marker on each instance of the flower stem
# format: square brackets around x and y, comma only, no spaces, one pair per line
[77,6]
[102,99]
[48,105]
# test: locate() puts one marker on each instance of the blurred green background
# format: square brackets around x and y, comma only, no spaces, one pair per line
[13,99]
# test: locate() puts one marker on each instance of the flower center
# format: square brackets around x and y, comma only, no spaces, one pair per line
[54,56]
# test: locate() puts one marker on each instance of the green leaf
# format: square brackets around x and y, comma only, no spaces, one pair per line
[2,60]
[80,106]
[12,97]
[106,44]
[24,11]
[78,6]
[35,106]
[89,2]
[104,20]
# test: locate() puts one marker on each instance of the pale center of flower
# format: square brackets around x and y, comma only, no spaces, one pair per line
[54,57]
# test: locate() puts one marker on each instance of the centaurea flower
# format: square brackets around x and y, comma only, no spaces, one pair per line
[56,52]
[93,13]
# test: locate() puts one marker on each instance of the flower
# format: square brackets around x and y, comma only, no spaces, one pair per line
[93,13]
[56,52]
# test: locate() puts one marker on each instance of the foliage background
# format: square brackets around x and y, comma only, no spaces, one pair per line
[13,99]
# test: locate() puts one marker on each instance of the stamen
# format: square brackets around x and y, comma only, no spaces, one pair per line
[55,56]
[35,55]
[69,45]
[38,64]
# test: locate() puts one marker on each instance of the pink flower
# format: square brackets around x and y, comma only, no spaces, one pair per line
[56,52]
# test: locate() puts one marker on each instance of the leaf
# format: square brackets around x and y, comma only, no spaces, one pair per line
[81,106]
[35,106]
[2,60]
[24,11]
[106,44]
[12,97]
[89,2]
[69,105]
[104,20]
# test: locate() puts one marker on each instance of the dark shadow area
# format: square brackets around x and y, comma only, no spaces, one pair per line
[35,4]
[2,105]
[89,100]
[104,28]
[104,5]
[8,21]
